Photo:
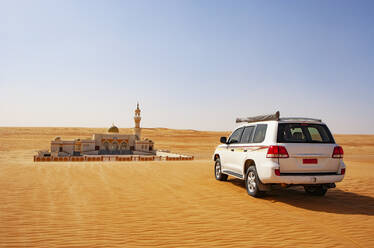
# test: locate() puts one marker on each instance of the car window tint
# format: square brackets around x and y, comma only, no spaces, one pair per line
[304,133]
[319,134]
[314,134]
[235,136]
[260,133]
[247,134]
[296,134]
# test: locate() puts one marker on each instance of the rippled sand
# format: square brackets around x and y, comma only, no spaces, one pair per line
[171,203]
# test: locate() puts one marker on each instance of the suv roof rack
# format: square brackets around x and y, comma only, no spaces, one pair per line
[273,117]
[299,119]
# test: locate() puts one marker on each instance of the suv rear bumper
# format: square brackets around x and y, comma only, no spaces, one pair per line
[267,175]
[304,179]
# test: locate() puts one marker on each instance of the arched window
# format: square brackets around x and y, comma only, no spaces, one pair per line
[123,146]
[106,146]
[115,146]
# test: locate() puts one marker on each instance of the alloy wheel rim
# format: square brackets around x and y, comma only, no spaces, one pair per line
[218,170]
[251,181]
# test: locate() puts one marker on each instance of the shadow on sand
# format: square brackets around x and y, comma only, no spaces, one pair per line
[335,201]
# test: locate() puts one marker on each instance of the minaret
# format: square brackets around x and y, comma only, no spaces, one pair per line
[137,119]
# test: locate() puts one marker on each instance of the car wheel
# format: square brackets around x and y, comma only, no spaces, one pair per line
[317,190]
[252,182]
[218,171]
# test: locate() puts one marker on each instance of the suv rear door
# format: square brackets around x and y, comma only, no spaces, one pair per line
[310,147]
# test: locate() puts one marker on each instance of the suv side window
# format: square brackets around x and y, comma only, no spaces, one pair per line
[260,133]
[247,134]
[235,136]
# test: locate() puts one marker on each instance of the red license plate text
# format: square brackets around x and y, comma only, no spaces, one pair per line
[310,161]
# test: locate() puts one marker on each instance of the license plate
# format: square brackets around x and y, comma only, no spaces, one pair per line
[310,161]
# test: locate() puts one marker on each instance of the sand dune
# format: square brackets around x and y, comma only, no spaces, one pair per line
[174,203]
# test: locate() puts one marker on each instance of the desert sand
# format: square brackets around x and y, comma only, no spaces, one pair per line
[171,203]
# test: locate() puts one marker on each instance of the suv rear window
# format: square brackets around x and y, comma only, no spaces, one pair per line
[260,133]
[304,133]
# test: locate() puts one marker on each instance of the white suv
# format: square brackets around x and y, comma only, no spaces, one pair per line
[269,150]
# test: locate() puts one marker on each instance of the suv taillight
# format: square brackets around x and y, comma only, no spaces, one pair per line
[338,152]
[277,152]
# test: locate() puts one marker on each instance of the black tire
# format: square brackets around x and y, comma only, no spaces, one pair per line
[252,182]
[317,190]
[218,171]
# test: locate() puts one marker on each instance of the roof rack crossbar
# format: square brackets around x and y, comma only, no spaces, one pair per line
[299,119]
[272,117]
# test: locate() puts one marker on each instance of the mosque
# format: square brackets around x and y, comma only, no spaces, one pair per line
[110,143]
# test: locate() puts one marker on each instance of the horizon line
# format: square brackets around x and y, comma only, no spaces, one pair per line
[181,129]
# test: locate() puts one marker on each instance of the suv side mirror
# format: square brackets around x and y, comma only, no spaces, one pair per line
[223,140]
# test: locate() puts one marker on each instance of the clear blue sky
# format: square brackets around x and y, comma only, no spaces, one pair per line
[191,64]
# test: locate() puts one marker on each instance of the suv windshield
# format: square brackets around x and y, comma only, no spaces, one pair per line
[304,133]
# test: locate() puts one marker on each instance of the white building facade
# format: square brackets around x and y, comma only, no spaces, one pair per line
[110,143]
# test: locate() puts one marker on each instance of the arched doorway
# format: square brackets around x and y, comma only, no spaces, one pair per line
[123,146]
[106,146]
[115,147]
